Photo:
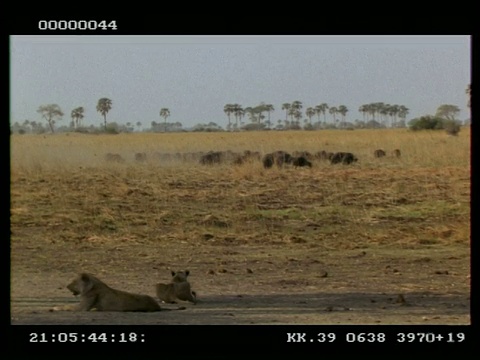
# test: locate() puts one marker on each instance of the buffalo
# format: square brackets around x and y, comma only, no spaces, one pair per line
[141,157]
[343,157]
[277,157]
[379,153]
[301,161]
[114,158]
[212,157]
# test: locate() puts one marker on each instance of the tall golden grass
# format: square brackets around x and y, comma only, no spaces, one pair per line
[419,149]
[415,198]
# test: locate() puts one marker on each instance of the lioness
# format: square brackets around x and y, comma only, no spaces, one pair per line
[96,295]
[178,289]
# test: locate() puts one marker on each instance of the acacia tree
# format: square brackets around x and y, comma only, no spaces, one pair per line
[447,111]
[104,105]
[50,113]
[164,112]
[77,115]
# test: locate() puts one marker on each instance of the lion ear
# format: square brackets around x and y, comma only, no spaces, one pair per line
[173,273]
[187,272]
[86,282]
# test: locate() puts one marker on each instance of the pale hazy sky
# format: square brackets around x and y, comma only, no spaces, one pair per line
[195,76]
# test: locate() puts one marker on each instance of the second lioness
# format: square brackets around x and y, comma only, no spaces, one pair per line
[178,289]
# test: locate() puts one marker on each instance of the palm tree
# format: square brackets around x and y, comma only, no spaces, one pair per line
[259,109]
[322,108]
[393,111]
[77,115]
[372,109]
[228,109]
[333,110]
[297,105]
[342,109]
[164,112]
[310,112]
[104,105]
[403,112]
[269,108]
[295,110]
[367,109]
[237,111]
[383,110]
[318,111]
[251,114]
[297,114]
[363,110]
[241,115]
[286,107]
[380,109]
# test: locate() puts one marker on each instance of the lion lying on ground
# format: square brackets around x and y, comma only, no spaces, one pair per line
[178,289]
[96,295]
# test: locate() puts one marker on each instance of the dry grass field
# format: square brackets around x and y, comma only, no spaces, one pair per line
[381,241]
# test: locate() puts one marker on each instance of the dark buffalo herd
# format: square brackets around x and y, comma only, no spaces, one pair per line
[279,158]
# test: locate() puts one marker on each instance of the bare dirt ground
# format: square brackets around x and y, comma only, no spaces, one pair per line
[360,244]
[249,278]
[308,286]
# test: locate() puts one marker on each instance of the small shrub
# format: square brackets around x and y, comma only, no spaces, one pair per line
[111,129]
[426,123]
[82,130]
[452,127]
[253,127]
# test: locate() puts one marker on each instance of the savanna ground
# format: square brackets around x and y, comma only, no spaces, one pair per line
[382,241]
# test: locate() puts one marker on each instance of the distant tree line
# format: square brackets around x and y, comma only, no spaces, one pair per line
[375,115]
[259,117]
